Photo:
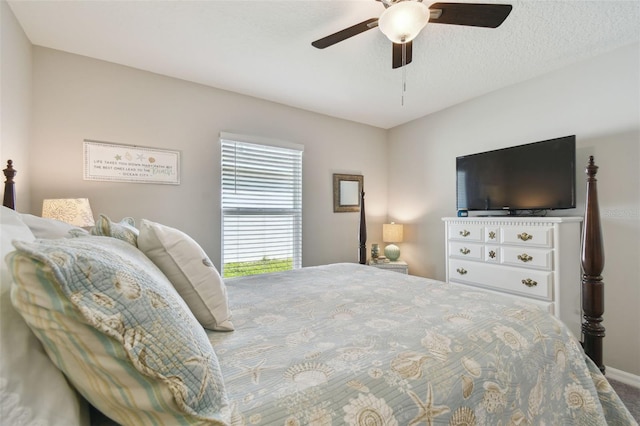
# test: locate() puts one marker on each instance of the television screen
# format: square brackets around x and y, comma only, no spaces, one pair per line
[535,176]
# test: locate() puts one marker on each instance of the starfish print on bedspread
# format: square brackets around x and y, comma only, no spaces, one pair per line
[254,371]
[539,335]
[427,411]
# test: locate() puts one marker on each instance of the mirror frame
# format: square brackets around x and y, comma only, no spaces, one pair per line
[337,195]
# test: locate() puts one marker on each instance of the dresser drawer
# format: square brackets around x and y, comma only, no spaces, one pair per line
[530,236]
[542,304]
[530,283]
[527,257]
[466,251]
[466,232]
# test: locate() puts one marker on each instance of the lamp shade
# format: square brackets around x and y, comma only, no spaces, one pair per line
[403,21]
[75,211]
[392,233]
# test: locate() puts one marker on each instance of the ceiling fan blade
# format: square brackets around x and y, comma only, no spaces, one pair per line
[472,14]
[345,34]
[397,54]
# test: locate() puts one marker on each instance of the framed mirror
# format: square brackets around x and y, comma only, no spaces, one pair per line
[346,192]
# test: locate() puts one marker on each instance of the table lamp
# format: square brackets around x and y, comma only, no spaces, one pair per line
[392,233]
[74,211]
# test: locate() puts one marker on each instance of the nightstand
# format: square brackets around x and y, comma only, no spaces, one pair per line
[397,266]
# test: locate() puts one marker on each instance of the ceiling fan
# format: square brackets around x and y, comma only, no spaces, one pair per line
[402,21]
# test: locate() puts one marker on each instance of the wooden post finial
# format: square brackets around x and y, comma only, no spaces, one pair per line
[591,169]
[9,172]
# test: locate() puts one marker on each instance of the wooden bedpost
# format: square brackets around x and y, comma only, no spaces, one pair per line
[9,199]
[592,257]
[362,236]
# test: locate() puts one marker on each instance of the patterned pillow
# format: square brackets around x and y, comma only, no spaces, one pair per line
[116,327]
[189,269]
[124,230]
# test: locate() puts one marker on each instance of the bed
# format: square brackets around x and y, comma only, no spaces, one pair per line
[127,321]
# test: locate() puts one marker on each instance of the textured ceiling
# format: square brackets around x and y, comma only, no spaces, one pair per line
[263,48]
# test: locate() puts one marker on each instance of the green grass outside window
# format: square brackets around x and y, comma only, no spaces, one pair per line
[241,269]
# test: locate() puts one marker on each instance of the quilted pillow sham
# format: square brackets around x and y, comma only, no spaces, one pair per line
[124,230]
[116,327]
[189,269]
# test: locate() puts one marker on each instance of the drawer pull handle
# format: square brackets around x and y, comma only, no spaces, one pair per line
[492,254]
[524,236]
[492,235]
[461,271]
[529,282]
[465,233]
[525,257]
[465,250]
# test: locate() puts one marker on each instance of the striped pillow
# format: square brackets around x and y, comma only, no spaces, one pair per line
[32,390]
[113,323]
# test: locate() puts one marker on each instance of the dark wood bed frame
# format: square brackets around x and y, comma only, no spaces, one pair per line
[592,257]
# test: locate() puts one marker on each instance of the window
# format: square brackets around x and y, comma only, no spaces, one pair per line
[261,205]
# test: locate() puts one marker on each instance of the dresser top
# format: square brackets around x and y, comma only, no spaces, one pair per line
[514,219]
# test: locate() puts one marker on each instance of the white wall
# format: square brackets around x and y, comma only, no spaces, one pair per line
[77,98]
[15,101]
[597,100]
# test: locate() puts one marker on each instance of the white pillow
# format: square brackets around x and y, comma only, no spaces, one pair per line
[190,271]
[49,228]
[32,389]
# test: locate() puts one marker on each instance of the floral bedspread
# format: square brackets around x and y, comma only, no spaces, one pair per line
[355,345]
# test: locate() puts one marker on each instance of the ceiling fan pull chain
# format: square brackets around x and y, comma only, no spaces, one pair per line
[404,71]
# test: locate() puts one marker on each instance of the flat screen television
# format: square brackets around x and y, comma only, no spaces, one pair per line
[533,177]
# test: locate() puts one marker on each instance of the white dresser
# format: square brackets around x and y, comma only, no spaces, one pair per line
[535,258]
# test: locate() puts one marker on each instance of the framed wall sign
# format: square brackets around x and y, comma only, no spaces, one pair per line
[106,161]
[346,192]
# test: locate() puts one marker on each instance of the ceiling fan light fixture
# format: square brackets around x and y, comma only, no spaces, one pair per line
[403,21]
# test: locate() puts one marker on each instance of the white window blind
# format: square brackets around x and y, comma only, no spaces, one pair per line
[261,206]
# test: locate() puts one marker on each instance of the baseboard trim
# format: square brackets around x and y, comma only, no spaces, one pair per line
[623,377]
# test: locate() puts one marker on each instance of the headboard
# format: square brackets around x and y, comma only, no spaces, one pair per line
[9,199]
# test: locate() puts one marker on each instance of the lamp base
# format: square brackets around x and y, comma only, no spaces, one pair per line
[392,252]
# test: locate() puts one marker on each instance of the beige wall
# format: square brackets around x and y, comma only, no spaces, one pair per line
[15,101]
[77,98]
[598,101]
